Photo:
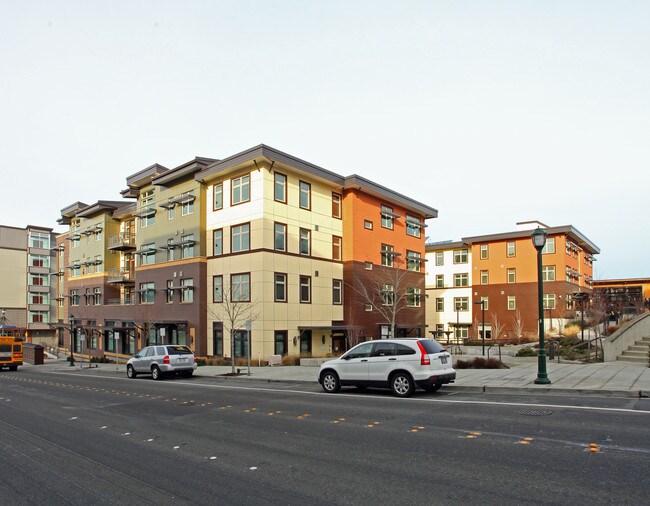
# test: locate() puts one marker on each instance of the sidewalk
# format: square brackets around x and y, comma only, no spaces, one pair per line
[610,378]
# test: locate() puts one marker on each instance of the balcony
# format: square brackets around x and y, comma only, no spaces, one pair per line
[121,276]
[121,242]
[123,301]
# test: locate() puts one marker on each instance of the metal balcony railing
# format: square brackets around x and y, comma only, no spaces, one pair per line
[121,241]
[121,276]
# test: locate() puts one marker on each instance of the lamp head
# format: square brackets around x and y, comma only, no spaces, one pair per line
[539,238]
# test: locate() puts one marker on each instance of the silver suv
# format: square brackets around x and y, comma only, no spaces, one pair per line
[398,364]
[161,360]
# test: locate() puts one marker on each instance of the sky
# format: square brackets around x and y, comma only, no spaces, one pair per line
[492,112]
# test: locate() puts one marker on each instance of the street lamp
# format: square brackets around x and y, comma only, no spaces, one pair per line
[539,240]
[71,321]
[482,303]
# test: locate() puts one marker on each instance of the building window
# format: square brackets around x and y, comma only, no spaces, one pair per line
[461,303]
[305,289]
[510,249]
[367,224]
[460,256]
[280,188]
[217,290]
[148,254]
[413,225]
[484,251]
[74,297]
[171,211]
[39,240]
[440,258]
[305,241]
[368,307]
[549,301]
[440,304]
[512,302]
[413,261]
[218,197]
[337,291]
[187,250]
[187,203]
[217,339]
[387,294]
[97,296]
[218,242]
[548,273]
[280,237]
[170,291]
[240,287]
[336,247]
[387,254]
[367,266]
[549,246]
[171,250]
[413,296]
[280,287]
[147,293]
[387,217]
[240,190]
[440,280]
[512,275]
[240,240]
[484,305]
[336,205]
[280,342]
[461,279]
[305,195]
[187,290]
[484,277]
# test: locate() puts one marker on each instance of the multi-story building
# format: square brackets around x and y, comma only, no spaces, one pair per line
[622,297]
[502,274]
[28,280]
[286,245]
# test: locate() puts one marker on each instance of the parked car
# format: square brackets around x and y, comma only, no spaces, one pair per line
[398,364]
[161,360]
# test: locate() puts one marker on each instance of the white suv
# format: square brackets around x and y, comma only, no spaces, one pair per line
[398,364]
[161,360]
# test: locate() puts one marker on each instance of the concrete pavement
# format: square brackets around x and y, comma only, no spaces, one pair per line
[610,378]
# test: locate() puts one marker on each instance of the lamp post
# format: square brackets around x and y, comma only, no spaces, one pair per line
[539,239]
[482,303]
[71,321]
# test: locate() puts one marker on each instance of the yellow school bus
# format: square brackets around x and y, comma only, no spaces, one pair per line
[11,347]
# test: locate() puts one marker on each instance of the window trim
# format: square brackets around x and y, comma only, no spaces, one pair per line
[300,193]
[300,286]
[340,291]
[284,242]
[214,293]
[337,243]
[214,196]
[300,241]
[284,186]
[339,214]
[214,242]
[232,242]
[232,292]
[286,287]
[232,189]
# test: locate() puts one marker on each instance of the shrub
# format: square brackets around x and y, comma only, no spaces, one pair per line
[528,351]
[479,363]
[290,360]
[571,330]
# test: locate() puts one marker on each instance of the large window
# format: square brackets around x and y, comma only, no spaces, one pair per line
[240,287]
[39,261]
[305,289]
[240,191]
[305,241]
[280,287]
[440,258]
[148,254]
[187,250]
[460,256]
[74,297]
[387,217]
[461,303]
[387,255]
[217,290]
[336,205]
[413,297]
[218,242]
[549,246]
[337,291]
[548,273]
[147,214]
[281,341]
[413,261]
[187,290]
[218,197]
[336,247]
[97,296]
[217,339]
[187,203]
[147,292]
[461,279]
[413,225]
[387,294]
[240,240]
[305,195]
[280,237]
[39,240]
[280,187]
[549,301]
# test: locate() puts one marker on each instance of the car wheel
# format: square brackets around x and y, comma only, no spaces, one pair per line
[156,373]
[433,388]
[330,382]
[402,384]
[13,367]
[130,372]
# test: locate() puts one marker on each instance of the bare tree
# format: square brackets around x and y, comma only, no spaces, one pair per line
[518,325]
[387,290]
[497,325]
[596,311]
[354,331]
[234,313]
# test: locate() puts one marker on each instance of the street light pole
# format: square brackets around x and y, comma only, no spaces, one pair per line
[539,239]
[71,321]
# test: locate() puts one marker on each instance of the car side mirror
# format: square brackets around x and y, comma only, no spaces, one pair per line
[346,357]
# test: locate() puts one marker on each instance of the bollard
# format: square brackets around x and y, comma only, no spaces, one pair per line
[551,350]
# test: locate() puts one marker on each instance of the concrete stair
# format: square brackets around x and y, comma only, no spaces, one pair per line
[638,353]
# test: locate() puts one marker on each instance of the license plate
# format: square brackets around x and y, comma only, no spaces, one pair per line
[182,359]
[443,360]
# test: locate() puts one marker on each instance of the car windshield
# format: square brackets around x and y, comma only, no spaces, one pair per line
[178,350]
[432,346]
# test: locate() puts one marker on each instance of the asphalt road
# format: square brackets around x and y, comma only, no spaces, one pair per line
[98,438]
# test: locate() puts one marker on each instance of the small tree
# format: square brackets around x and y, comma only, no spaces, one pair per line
[596,311]
[497,325]
[518,326]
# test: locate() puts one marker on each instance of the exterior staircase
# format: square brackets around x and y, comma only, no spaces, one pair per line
[639,352]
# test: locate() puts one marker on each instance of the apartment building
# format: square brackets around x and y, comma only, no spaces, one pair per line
[502,274]
[260,246]
[28,280]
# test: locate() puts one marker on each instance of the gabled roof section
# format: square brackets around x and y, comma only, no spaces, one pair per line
[69,212]
[142,178]
[101,206]
[183,171]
